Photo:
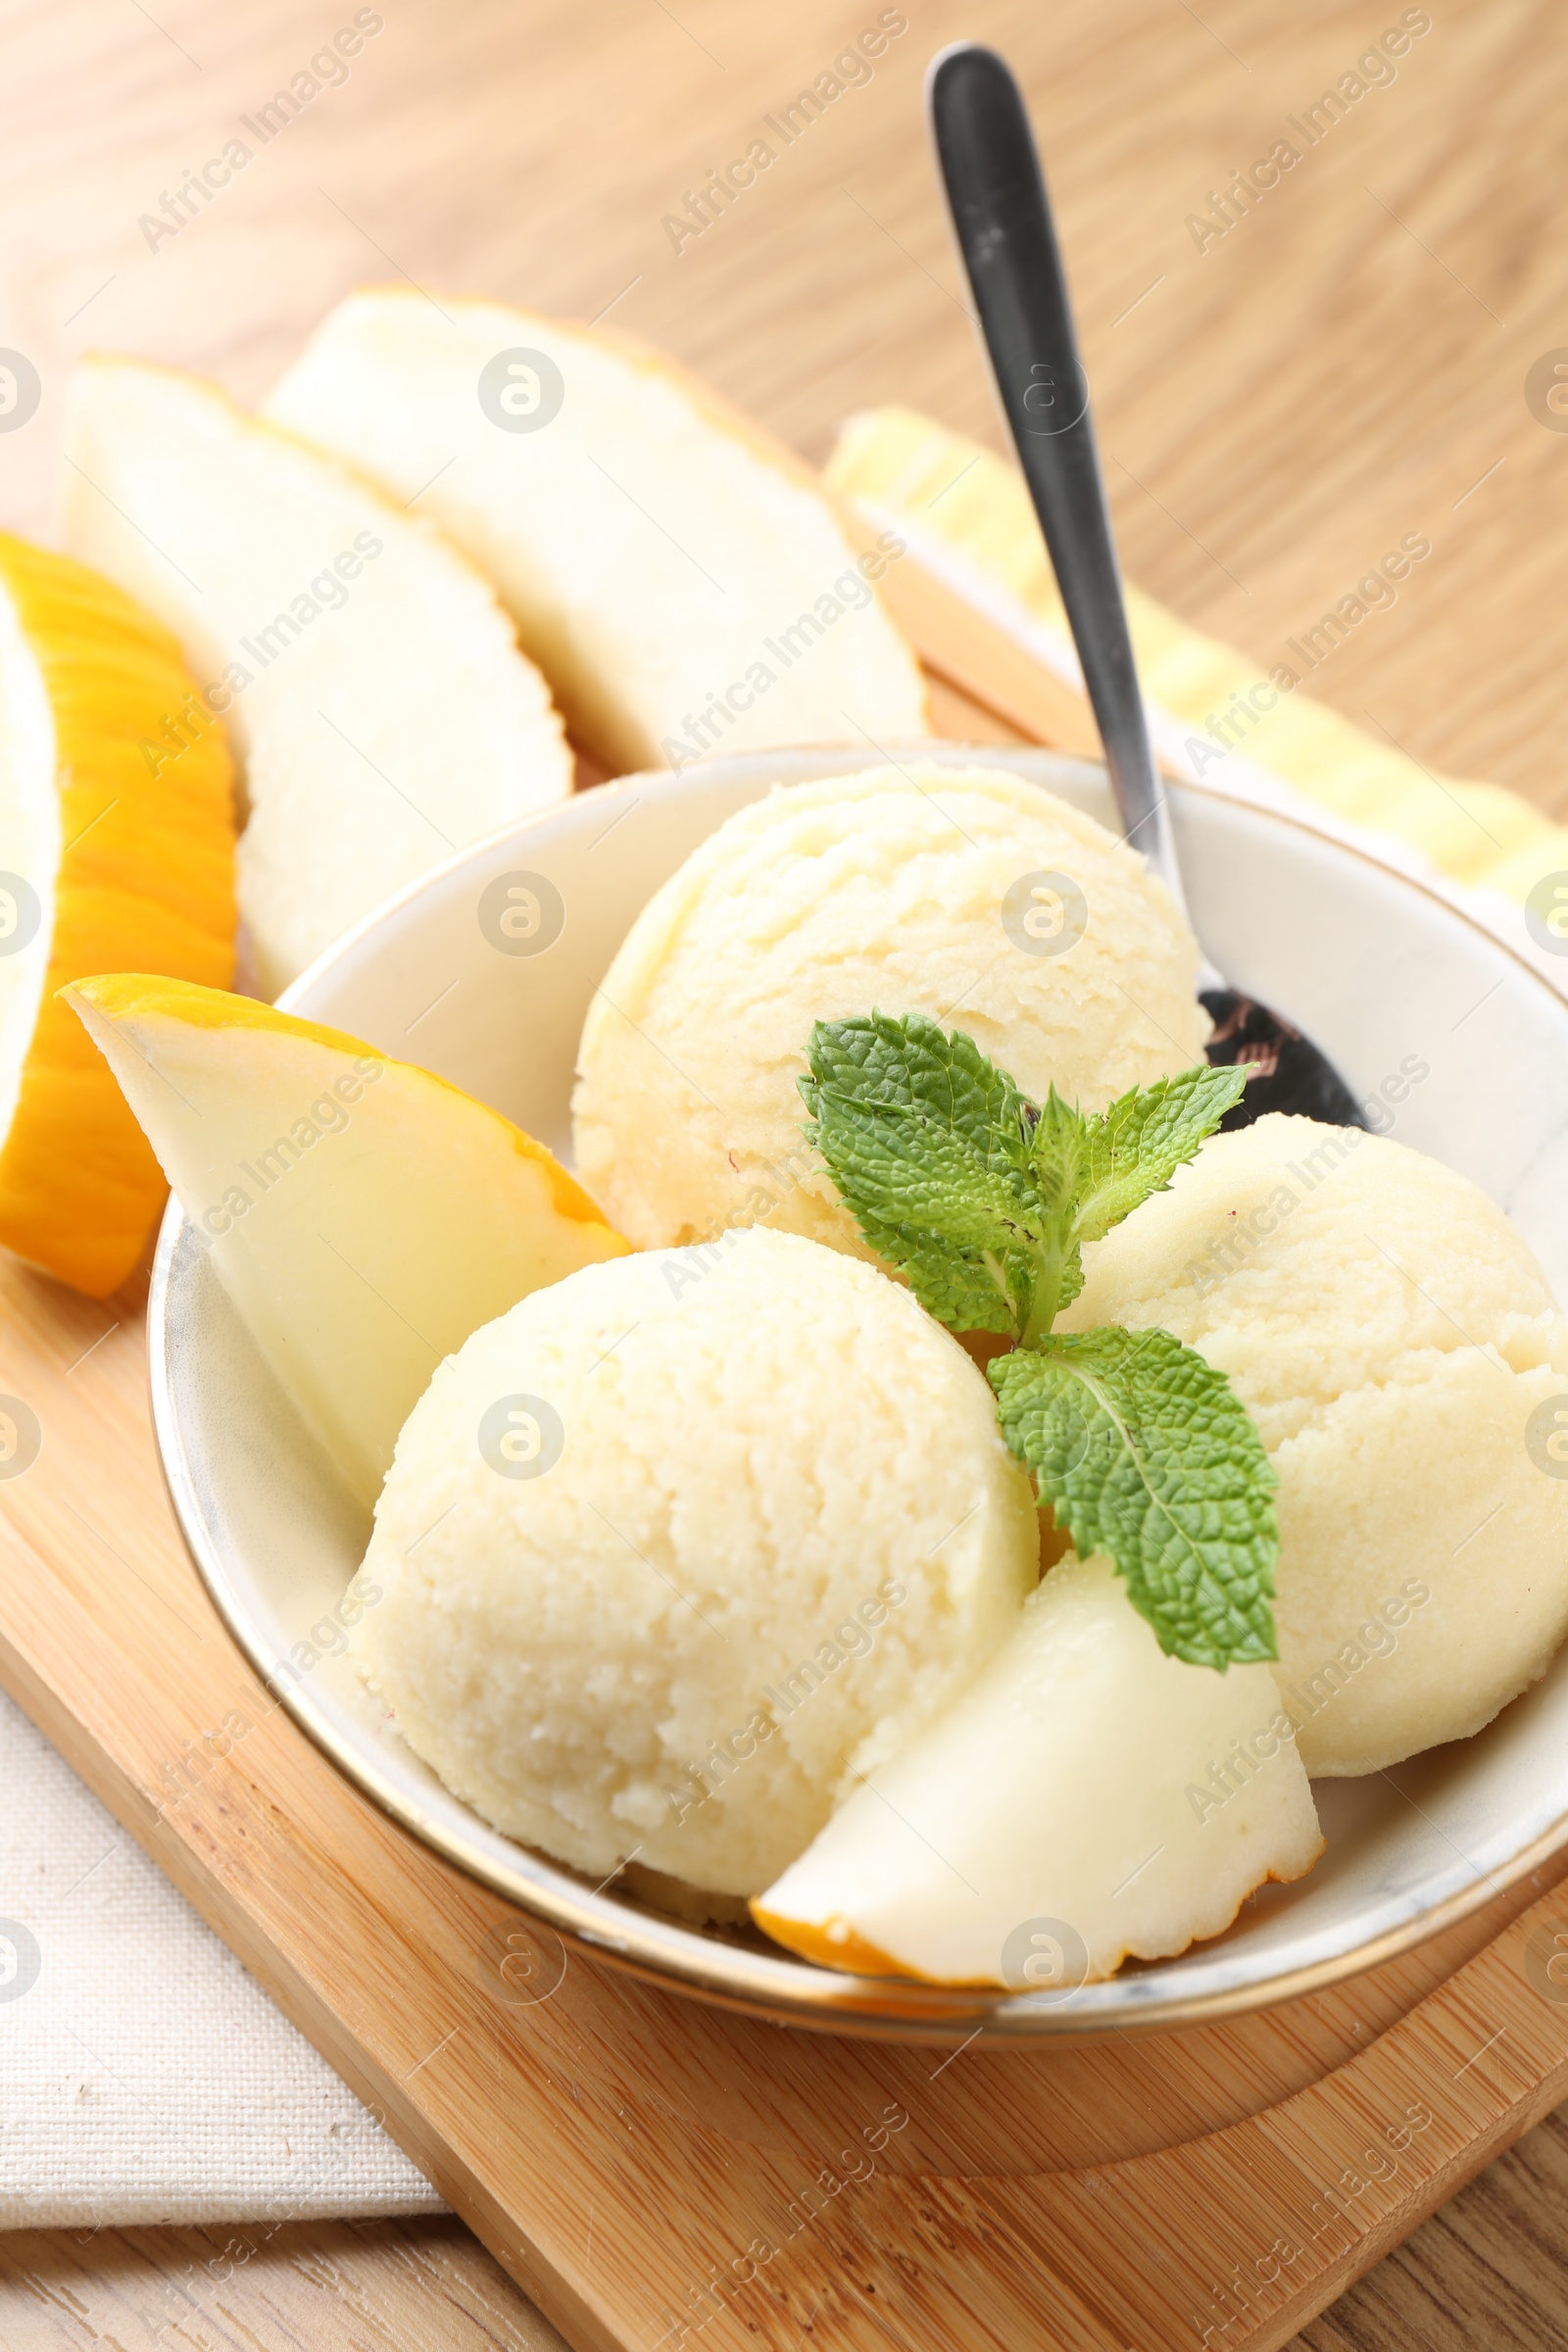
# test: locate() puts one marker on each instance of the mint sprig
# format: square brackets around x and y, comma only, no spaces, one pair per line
[984,1201]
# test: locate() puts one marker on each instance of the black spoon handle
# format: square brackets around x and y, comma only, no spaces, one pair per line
[1001,219]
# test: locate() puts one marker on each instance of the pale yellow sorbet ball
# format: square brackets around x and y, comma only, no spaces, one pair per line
[679,1547]
[1397,1346]
[979,899]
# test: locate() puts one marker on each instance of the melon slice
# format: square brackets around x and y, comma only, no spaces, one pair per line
[364,1215]
[367,674]
[679,578]
[106,855]
[1084,1801]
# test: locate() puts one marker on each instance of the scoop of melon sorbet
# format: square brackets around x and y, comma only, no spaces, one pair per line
[975,897]
[1398,1346]
[676,1549]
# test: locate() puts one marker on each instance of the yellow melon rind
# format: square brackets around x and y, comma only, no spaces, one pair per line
[145,875]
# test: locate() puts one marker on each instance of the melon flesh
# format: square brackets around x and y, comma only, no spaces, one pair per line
[367,677]
[364,1215]
[683,584]
[1085,1800]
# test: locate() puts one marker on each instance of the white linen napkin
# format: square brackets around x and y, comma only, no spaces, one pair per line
[144,2076]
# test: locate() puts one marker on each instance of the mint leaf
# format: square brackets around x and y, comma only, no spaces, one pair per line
[1135,1147]
[1143,1452]
[966,1291]
[1060,1156]
[929,1146]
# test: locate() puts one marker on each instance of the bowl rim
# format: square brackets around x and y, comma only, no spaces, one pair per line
[650,1945]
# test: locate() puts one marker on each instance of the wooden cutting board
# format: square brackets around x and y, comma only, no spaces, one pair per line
[650,2169]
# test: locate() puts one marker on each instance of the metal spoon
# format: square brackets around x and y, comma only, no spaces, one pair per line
[1001,219]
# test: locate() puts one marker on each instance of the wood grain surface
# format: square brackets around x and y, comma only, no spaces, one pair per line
[1348,362]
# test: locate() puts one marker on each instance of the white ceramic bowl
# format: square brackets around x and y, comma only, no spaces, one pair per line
[1371,966]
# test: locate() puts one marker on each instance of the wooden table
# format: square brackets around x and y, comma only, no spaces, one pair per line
[1345,362]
